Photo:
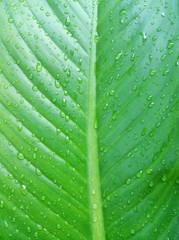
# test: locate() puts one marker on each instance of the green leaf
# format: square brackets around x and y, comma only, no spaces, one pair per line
[89,114]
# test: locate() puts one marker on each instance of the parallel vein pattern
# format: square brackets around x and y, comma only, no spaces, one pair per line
[89,114]
[44,71]
[137,106]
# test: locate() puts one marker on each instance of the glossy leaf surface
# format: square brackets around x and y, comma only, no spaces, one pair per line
[89,138]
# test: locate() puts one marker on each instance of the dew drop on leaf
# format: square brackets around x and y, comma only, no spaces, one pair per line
[149,97]
[144,37]
[164,178]
[143,132]
[151,184]
[57,84]
[139,174]
[39,67]
[58,226]
[38,172]
[170,44]
[128,181]
[119,55]
[152,72]
[166,72]
[67,22]
[94,206]
[20,156]
[132,57]
[39,227]
[23,190]
[10,20]
[1,204]
[163,57]
[151,105]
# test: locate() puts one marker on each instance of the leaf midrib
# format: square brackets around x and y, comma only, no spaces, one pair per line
[95,200]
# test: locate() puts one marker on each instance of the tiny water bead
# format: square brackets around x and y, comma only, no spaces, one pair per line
[1,204]
[144,37]
[143,131]
[119,55]
[149,97]
[151,184]
[164,178]
[170,44]
[139,174]
[152,72]
[23,190]
[39,67]
[166,72]
[151,105]
[67,22]
[128,181]
[20,156]
[132,57]
[10,20]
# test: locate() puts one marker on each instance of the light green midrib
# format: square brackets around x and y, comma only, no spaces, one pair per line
[96,211]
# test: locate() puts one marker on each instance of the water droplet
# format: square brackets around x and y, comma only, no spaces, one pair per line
[151,133]
[67,22]
[20,156]
[154,38]
[139,174]
[1,204]
[63,102]
[94,206]
[132,57]
[132,231]
[151,184]
[177,181]
[128,181]
[170,44]
[10,20]
[164,178]
[23,190]
[166,72]
[96,38]
[47,14]
[112,92]
[119,55]
[144,37]
[57,84]
[177,63]
[143,132]
[151,105]
[163,57]
[152,72]
[39,67]
[134,88]
[115,114]
[149,170]
[19,127]
[149,97]
[122,12]
[38,172]
[58,226]
[39,227]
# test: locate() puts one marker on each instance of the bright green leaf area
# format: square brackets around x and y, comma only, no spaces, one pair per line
[89,120]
